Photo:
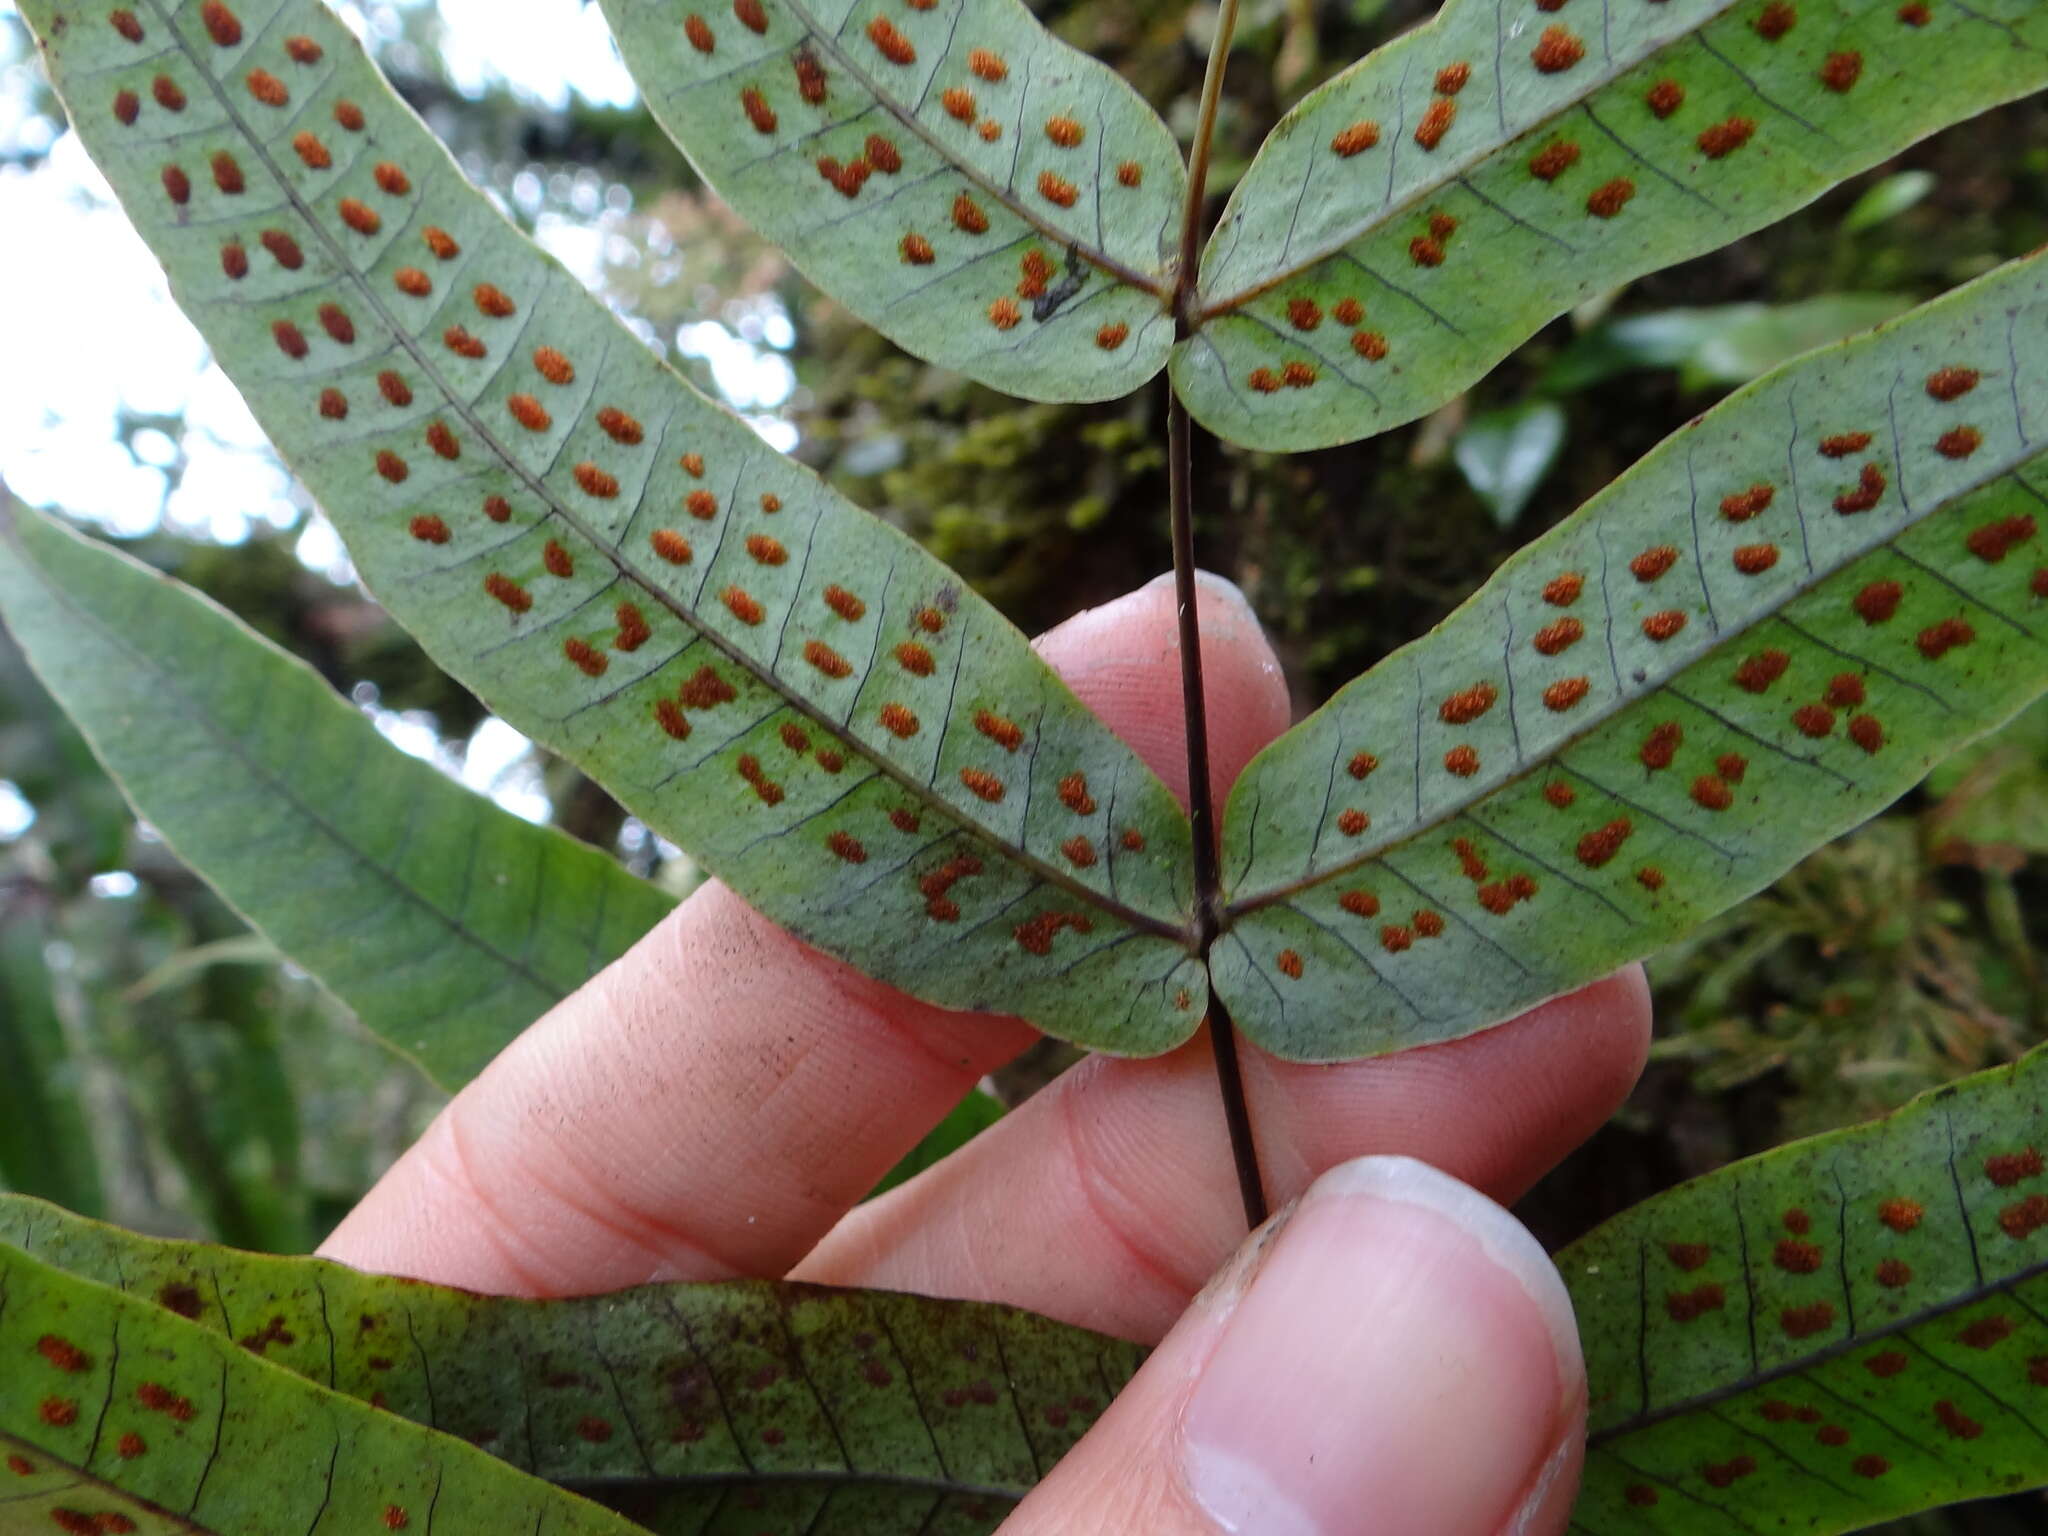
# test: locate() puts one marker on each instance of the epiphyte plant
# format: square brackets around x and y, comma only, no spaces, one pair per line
[1755,638]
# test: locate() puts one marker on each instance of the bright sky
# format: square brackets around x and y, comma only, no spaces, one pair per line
[88,416]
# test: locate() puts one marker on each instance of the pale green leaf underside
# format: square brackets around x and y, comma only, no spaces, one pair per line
[447,924]
[694,1407]
[1830,1335]
[175,1429]
[1066,166]
[791,690]
[1556,184]
[1557,789]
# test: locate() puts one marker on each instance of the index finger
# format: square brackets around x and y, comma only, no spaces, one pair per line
[718,1098]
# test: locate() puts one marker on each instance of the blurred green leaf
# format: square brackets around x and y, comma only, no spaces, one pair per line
[194,1097]
[1723,344]
[46,1146]
[1868,973]
[1505,454]
[242,949]
[1996,791]
[787,1407]
[1887,200]
[448,924]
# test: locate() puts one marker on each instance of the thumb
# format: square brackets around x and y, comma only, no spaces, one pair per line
[1395,1353]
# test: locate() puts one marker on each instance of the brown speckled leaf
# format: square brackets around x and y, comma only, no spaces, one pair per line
[992,199]
[1421,215]
[812,1410]
[1830,1335]
[119,1418]
[1760,635]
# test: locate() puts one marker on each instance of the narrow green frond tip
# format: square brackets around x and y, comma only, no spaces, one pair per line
[791,690]
[1828,1336]
[1423,214]
[447,924]
[687,1407]
[46,1140]
[1756,638]
[979,192]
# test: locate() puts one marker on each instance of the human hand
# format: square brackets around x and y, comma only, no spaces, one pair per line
[1395,1354]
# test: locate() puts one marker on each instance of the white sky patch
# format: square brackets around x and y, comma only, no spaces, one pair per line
[497,762]
[102,341]
[501,763]
[542,49]
[95,346]
[579,247]
[320,549]
[636,837]
[412,731]
[16,814]
[748,375]
[776,431]
[102,344]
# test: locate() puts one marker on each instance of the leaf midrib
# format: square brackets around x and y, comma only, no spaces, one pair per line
[1898,1327]
[100,1486]
[1045,872]
[1275,895]
[1454,170]
[1158,287]
[284,789]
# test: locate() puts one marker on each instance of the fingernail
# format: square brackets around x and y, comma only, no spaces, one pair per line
[1220,591]
[1225,610]
[1548,1504]
[1405,1348]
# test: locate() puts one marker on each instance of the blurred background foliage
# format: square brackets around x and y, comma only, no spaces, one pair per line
[161,1067]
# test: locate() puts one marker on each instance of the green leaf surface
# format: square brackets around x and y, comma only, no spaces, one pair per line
[117,1415]
[740,1408]
[794,692]
[1830,1335]
[447,924]
[1522,159]
[1753,640]
[1048,281]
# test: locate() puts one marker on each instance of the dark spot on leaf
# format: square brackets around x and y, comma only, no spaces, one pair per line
[1795,1257]
[1722,1474]
[1689,1306]
[1804,1322]
[180,1298]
